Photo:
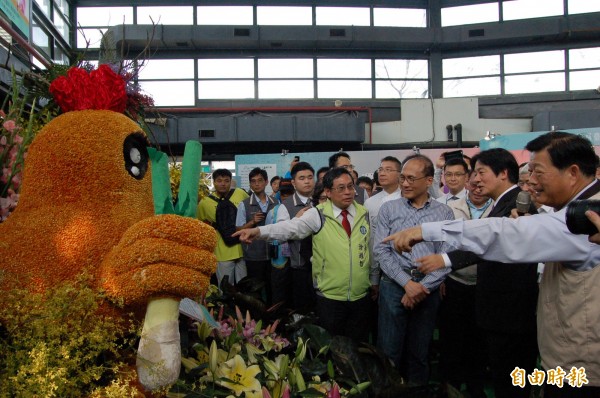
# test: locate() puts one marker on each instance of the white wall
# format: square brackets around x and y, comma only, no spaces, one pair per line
[421,117]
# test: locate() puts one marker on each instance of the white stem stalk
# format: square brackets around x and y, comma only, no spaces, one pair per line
[159,353]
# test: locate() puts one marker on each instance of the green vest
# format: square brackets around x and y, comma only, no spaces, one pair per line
[340,265]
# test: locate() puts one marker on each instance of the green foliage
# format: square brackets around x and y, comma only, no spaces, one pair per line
[64,343]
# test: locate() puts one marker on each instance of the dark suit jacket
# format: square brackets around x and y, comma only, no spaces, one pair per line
[506,293]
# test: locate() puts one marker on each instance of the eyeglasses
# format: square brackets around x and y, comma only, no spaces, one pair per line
[451,175]
[523,183]
[348,166]
[322,198]
[410,179]
[342,188]
[386,170]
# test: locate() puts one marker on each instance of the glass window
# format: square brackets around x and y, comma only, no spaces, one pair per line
[464,15]
[226,15]
[286,89]
[226,89]
[347,16]
[400,17]
[284,15]
[471,66]
[340,68]
[167,69]
[277,68]
[40,38]
[584,80]
[170,93]
[104,16]
[401,89]
[534,62]
[534,83]
[45,6]
[60,57]
[401,69]
[472,87]
[521,9]
[89,38]
[225,68]
[165,15]
[583,6]
[344,89]
[583,58]
[61,25]
[63,6]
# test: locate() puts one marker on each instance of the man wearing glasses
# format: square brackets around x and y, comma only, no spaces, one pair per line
[341,268]
[409,300]
[455,175]
[342,159]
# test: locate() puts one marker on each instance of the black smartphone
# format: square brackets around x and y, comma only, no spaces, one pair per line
[453,155]
[296,158]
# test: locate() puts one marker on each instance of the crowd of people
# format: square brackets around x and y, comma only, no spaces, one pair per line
[428,245]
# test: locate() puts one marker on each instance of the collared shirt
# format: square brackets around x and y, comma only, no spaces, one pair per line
[373,204]
[240,219]
[398,215]
[301,227]
[536,238]
[283,214]
[447,198]
[477,212]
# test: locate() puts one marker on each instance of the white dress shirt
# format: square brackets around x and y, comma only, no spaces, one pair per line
[447,198]
[532,239]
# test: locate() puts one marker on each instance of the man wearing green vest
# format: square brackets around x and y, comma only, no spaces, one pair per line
[341,260]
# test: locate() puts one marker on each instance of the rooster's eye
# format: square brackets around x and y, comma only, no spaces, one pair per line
[135,155]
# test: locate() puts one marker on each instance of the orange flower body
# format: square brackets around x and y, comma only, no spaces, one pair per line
[80,210]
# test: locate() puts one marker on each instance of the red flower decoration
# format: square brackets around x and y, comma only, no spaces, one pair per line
[80,90]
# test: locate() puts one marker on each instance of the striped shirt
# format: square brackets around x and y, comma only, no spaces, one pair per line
[400,214]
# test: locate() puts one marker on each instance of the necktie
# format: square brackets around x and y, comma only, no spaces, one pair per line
[345,222]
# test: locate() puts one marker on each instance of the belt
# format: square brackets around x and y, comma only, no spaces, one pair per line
[415,275]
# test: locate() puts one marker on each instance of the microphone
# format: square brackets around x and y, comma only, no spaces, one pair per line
[523,202]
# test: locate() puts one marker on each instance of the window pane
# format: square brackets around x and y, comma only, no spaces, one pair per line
[104,16]
[471,66]
[346,16]
[534,62]
[227,15]
[401,89]
[170,93]
[584,58]
[225,89]
[60,57]
[225,68]
[521,9]
[463,15]
[583,6]
[340,68]
[63,6]
[91,36]
[167,69]
[274,68]
[44,5]
[61,25]
[344,88]
[401,68]
[472,87]
[584,80]
[285,89]
[535,83]
[165,15]
[284,15]
[400,17]
[40,38]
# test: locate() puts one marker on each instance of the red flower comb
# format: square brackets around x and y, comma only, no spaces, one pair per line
[100,89]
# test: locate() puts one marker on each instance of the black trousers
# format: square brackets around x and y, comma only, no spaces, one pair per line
[261,270]
[303,291]
[463,350]
[507,351]
[345,318]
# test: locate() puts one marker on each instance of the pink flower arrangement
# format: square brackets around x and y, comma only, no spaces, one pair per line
[12,153]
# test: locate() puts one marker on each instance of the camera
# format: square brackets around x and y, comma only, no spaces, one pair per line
[453,155]
[577,222]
